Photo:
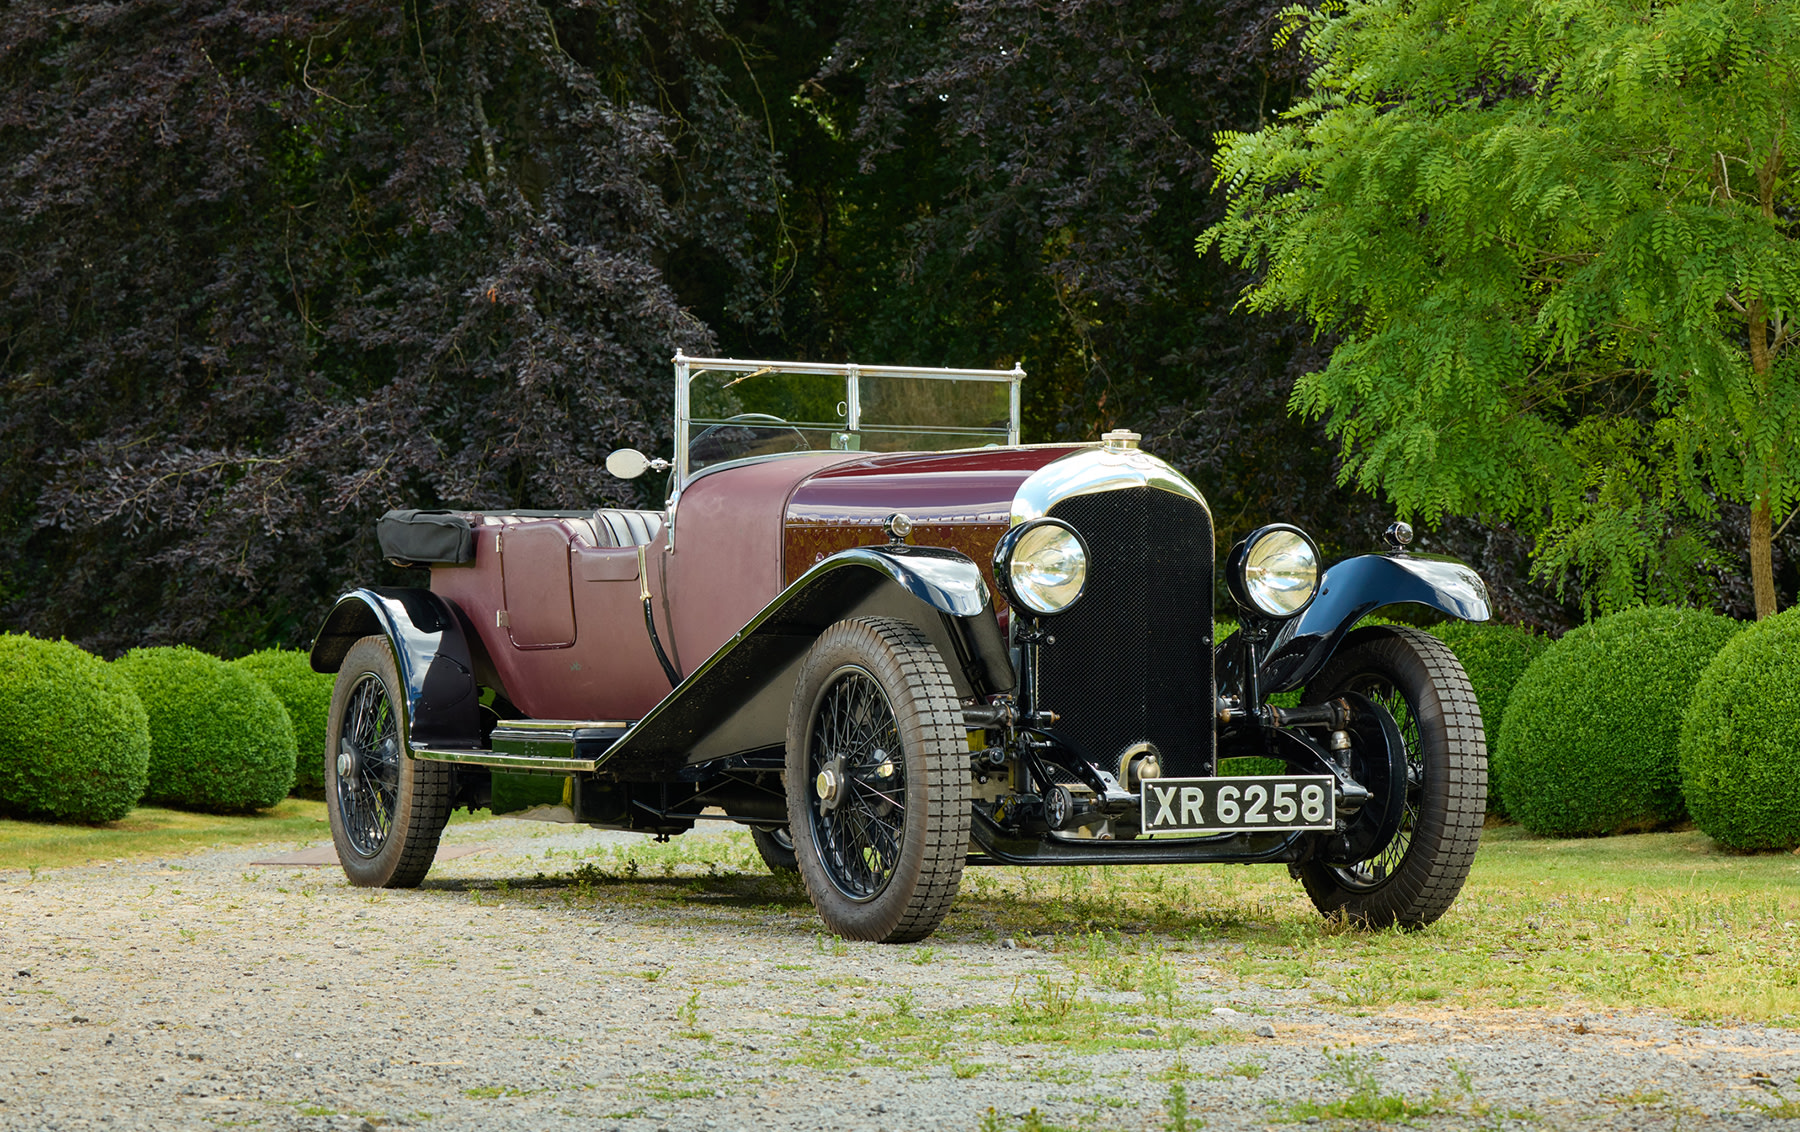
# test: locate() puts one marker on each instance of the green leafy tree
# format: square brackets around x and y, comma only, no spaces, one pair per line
[1557,240]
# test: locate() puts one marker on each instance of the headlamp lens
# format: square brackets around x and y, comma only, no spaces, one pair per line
[1048,568]
[1281,571]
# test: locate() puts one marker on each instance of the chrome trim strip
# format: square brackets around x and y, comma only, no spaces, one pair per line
[1090,471]
[738,365]
[502,761]
[565,725]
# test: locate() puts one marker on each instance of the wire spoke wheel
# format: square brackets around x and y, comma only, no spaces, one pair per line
[1415,877]
[859,826]
[387,810]
[368,767]
[878,781]
[1374,871]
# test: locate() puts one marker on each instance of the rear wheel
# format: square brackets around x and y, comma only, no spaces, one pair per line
[1416,877]
[776,847]
[387,810]
[878,781]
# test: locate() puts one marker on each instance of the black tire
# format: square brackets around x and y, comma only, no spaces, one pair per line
[776,847]
[387,810]
[1416,877]
[882,854]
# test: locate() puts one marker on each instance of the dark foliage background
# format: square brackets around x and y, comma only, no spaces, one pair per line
[272,268]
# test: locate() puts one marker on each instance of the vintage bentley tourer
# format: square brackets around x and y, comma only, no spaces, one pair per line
[893,641]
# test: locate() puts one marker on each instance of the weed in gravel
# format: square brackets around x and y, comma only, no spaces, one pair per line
[922,956]
[1030,1121]
[1248,1070]
[1176,1108]
[826,944]
[688,1014]
[495,1092]
[843,979]
[1782,1107]
[1051,1001]
[1364,1099]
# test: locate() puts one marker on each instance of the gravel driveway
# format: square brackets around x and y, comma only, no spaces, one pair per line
[211,992]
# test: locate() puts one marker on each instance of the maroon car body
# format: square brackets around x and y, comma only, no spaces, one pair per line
[825,642]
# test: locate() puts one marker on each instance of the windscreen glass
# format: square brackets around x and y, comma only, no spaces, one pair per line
[733,415]
[911,414]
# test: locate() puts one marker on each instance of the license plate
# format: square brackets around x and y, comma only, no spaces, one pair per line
[1229,805]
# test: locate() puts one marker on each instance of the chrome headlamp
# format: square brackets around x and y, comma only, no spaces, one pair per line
[1274,572]
[1042,565]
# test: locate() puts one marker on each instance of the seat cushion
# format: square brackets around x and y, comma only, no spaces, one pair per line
[616,527]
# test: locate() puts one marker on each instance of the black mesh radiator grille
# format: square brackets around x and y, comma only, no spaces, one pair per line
[1133,659]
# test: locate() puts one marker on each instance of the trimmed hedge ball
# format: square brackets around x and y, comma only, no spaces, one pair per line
[76,745]
[1740,739]
[1591,739]
[219,739]
[307,697]
[1494,656]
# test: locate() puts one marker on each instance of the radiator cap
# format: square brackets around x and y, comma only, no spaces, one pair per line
[1120,440]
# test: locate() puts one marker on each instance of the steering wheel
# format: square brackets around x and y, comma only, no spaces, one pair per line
[757,421]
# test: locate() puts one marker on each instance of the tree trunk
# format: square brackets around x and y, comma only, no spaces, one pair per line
[1762,561]
[1762,542]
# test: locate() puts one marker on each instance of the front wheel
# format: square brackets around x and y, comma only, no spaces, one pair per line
[387,809]
[1414,879]
[878,781]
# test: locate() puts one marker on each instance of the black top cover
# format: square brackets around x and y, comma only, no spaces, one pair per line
[425,538]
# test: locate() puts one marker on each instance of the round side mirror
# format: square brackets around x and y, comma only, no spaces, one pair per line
[627,463]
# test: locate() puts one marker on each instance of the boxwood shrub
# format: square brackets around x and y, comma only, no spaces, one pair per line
[1591,737]
[76,743]
[1494,656]
[1740,739]
[307,697]
[219,739]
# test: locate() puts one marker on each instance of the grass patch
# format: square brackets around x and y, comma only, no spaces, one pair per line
[151,831]
[1666,920]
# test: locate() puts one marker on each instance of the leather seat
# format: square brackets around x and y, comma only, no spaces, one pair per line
[615,527]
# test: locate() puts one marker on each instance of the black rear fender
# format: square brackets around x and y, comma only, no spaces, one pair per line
[431,648]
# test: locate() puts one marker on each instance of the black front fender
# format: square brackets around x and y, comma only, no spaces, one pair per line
[431,650]
[737,699]
[1349,592]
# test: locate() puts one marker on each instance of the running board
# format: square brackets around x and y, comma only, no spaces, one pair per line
[537,744]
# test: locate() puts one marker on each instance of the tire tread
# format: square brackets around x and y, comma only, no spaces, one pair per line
[928,712]
[1445,838]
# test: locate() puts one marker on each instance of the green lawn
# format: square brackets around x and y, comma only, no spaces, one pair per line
[151,831]
[1664,919]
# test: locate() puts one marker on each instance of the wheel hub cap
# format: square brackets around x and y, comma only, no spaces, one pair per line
[830,785]
[345,762]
